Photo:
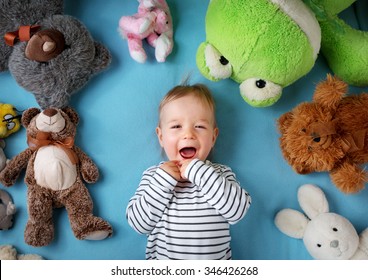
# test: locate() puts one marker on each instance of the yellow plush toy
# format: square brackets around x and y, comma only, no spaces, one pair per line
[9,124]
[9,120]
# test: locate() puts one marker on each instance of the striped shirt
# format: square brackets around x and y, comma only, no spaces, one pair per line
[188,219]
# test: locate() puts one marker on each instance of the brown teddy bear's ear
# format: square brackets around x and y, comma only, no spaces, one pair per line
[28,115]
[284,121]
[72,114]
[330,92]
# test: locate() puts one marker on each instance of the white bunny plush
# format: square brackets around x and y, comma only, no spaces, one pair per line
[326,235]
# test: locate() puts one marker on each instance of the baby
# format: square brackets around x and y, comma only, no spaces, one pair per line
[186,204]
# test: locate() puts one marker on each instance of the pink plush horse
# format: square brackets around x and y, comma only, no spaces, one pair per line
[153,22]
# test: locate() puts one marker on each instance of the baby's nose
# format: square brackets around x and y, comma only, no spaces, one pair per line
[189,133]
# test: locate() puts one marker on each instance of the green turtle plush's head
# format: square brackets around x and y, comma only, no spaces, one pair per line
[264,45]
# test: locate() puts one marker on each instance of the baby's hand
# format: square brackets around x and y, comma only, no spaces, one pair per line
[172,168]
[183,166]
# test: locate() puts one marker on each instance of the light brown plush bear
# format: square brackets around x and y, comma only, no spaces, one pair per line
[8,252]
[55,168]
[328,134]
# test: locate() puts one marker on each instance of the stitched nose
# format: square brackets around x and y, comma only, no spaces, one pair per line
[50,112]
[334,243]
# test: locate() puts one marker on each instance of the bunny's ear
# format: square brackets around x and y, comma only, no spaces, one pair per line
[291,222]
[312,200]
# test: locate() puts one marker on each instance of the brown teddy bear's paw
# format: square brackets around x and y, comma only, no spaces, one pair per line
[38,235]
[90,175]
[8,177]
[96,229]
[349,178]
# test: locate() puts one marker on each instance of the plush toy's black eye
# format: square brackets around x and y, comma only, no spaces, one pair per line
[317,139]
[167,22]
[319,245]
[223,60]
[334,229]
[260,83]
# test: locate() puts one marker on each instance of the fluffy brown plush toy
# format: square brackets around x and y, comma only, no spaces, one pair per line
[329,134]
[55,168]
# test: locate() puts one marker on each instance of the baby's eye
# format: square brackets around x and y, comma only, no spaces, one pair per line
[200,126]
[175,126]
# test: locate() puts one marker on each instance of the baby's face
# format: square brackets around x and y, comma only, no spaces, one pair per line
[187,129]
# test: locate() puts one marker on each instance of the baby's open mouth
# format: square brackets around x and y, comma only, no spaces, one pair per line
[188,152]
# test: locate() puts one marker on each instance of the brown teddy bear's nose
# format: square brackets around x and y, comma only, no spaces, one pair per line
[45,45]
[50,112]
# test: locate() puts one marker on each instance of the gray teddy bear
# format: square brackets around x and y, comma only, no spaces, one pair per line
[7,210]
[49,54]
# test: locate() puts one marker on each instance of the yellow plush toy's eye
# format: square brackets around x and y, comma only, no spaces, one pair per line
[9,120]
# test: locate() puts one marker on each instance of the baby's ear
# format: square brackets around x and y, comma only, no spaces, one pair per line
[159,135]
[72,114]
[28,115]
[215,134]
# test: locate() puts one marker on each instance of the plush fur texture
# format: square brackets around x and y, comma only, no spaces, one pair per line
[52,188]
[326,235]
[328,134]
[52,82]
[14,13]
[152,23]
[258,44]
[7,210]
[344,47]
[8,252]
[10,122]
[3,158]
[266,45]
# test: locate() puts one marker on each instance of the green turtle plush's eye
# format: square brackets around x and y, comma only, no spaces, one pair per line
[223,60]
[260,83]
[219,67]
[260,92]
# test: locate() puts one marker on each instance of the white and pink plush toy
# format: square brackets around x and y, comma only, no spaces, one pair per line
[153,23]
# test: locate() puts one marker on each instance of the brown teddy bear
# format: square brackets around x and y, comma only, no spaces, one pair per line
[328,134]
[55,168]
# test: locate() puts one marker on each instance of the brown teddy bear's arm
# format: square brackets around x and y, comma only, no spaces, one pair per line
[348,177]
[10,173]
[88,168]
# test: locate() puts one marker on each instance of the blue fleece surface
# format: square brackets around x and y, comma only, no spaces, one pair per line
[118,111]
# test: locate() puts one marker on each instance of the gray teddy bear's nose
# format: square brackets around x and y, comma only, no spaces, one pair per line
[334,243]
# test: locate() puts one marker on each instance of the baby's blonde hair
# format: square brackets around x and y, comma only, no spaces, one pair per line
[198,90]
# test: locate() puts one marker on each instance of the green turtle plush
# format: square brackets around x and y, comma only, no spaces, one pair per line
[345,48]
[266,45]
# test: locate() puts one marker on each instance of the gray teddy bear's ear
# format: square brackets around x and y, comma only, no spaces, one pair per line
[102,58]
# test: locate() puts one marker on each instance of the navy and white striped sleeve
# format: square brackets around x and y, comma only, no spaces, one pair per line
[221,189]
[146,207]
